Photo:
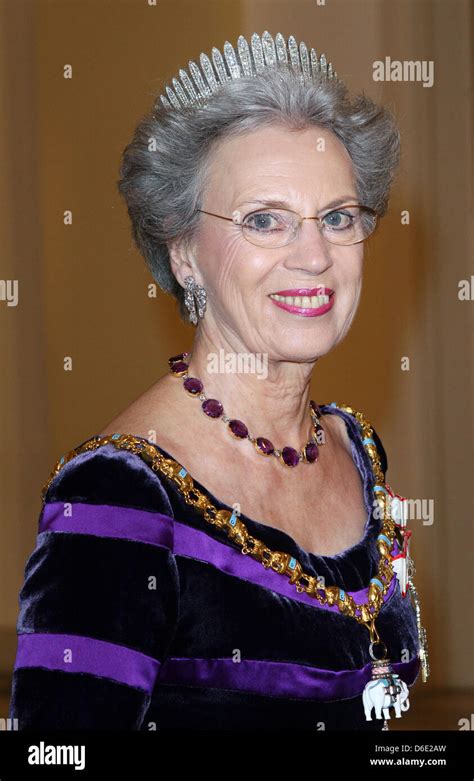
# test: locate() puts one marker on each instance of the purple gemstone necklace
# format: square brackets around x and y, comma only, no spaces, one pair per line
[213,409]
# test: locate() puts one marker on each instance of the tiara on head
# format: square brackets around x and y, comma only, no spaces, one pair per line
[195,87]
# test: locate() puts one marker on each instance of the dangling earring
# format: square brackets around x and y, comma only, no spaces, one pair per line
[195,293]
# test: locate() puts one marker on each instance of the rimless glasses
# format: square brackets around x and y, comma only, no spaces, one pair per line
[275,227]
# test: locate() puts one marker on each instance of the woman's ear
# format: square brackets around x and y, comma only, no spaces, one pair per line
[181,259]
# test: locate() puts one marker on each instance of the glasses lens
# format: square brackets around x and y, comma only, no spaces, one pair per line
[270,227]
[348,224]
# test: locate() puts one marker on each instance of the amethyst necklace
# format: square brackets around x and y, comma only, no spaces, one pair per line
[213,409]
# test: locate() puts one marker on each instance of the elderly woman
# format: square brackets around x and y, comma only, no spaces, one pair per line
[251,188]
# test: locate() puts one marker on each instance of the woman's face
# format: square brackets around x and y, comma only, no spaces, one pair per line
[310,170]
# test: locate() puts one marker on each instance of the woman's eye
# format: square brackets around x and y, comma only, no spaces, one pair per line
[264,222]
[338,220]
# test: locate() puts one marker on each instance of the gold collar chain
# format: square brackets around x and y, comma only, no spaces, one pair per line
[280,562]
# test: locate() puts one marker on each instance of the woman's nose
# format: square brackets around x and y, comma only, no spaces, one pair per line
[309,246]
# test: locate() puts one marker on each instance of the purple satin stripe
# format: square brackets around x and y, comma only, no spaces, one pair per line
[88,655]
[277,679]
[105,520]
[158,529]
[198,545]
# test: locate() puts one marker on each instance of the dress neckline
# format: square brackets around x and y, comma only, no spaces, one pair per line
[279,537]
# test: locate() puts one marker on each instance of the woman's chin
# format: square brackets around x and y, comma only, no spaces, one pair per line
[303,347]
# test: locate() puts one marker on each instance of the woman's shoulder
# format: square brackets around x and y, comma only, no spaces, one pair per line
[108,470]
[105,467]
[148,415]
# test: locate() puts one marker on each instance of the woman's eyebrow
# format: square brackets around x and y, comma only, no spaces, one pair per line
[281,204]
[270,202]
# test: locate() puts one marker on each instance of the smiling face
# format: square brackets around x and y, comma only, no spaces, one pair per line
[310,170]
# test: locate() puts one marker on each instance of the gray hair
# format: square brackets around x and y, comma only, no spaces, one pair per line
[164,168]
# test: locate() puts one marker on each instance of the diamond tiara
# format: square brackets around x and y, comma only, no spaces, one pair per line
[195,87]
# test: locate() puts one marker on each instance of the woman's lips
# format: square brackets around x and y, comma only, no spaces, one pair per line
[305,311]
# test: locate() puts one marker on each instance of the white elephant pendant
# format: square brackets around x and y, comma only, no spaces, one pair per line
[384,691]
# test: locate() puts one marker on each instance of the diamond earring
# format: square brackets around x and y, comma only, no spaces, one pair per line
[195,293]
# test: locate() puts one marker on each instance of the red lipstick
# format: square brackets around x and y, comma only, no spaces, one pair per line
[305,311]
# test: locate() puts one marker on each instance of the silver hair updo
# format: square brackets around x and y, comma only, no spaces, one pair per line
[164,168]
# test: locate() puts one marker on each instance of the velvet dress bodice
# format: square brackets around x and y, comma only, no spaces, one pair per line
[137,613]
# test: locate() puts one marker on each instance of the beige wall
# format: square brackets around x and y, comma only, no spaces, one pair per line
[83,287]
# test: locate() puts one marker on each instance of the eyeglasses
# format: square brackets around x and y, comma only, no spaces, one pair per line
[274,228]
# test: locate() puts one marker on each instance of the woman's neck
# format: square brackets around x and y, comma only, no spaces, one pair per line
[270,396]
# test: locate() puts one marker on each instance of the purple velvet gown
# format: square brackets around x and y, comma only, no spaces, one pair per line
[138,614]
